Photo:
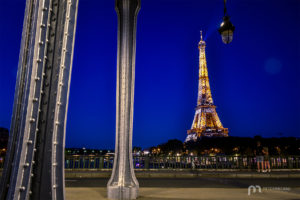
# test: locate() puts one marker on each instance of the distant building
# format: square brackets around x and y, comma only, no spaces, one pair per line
[206,121]
[85,151]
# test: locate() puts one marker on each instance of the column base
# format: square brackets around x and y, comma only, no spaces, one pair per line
[122,192]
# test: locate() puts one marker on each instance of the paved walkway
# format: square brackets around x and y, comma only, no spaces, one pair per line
[96,193]
[191,188]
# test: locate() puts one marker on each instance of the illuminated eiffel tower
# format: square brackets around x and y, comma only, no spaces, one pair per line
[206,120]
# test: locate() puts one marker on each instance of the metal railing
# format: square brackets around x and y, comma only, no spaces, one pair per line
[182,162]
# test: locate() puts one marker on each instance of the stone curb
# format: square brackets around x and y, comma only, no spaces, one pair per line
[213,173]
[183,174]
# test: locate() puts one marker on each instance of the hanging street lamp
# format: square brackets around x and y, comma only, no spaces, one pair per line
[226,28]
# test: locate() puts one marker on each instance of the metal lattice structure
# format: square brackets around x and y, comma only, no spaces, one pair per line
[34,165]
[123,183]
[206,120]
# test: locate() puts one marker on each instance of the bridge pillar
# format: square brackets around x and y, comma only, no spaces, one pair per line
[34,164]
[123,183]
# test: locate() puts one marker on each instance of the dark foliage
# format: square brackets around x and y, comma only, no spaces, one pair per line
[244,145]
[229,146]
[171,147]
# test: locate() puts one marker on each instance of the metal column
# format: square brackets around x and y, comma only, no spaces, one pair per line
[123,183]
[34,165]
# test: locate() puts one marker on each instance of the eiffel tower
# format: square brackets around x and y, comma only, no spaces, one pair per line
[206,121]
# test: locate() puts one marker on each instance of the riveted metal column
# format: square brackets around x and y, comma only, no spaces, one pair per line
[123,183]
[34,165]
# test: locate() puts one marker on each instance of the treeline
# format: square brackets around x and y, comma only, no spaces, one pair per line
[229,146]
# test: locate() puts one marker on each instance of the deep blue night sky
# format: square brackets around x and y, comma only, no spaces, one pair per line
[255,80]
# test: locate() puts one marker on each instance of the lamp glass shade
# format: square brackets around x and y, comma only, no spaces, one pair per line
[227,36]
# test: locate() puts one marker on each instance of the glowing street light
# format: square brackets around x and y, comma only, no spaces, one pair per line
[226,28]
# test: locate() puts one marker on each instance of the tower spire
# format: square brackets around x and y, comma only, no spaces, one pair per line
[204,93]
[201,42]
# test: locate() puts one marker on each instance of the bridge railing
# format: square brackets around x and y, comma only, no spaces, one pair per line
[182,162]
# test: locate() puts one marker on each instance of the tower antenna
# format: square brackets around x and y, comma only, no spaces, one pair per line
[201,34]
